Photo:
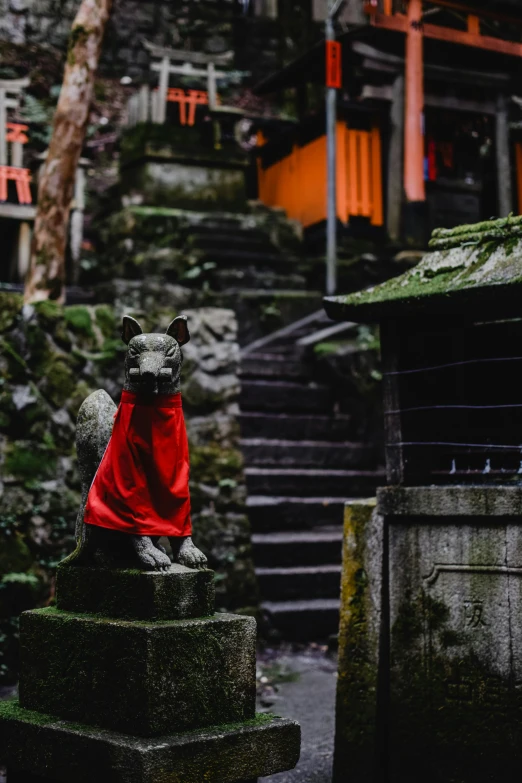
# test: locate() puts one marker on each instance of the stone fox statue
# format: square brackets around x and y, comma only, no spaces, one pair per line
[133,460]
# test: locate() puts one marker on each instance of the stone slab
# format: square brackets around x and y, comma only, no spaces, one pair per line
[358,743]
[191,184]
[455,501]
[132,594]
[63,751]
[143,678]
[455,592]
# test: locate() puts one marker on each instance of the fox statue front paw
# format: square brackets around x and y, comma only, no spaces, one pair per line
[188,554]
[150,557]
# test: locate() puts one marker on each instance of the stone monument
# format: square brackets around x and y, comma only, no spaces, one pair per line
[132,677]
[431,629]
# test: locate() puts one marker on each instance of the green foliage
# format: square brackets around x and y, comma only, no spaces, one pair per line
[323,349]
[368,338]
[212,464]
[78,319]
[197,271]
[19,578]
[49,312]
[10,307]
[28,463]
[104,317]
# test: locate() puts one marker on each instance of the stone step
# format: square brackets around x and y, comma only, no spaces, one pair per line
[289,426]
[255,279]
[273,366]
[284,396]
[310,482]
[225,228]
[273,514]
[306,453]
[303,547]
[246,240]
[304,620]
[241,258]
[299,582]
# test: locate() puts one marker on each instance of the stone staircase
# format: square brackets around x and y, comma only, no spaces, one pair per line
[302,462]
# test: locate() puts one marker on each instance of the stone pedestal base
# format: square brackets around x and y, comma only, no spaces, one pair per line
[134,679]
[34,744]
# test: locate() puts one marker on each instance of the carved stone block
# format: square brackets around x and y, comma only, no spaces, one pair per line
[143,678]
[55,750]
[131,594]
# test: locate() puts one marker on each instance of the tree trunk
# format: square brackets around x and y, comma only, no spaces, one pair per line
[46,276]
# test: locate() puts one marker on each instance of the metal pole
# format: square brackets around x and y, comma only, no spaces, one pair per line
[331,205]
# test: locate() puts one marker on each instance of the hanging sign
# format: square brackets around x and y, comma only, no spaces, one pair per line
[333,64]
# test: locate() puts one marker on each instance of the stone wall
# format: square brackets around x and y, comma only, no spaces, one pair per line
[50,360]
[260,43]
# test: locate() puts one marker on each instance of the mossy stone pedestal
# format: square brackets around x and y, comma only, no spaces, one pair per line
[141,689]
[165,166]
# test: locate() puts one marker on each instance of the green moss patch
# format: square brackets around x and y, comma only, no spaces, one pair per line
[78,318]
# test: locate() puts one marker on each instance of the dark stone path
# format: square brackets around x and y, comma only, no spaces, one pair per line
[310,699]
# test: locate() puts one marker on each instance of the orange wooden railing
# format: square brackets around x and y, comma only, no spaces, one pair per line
[297,183]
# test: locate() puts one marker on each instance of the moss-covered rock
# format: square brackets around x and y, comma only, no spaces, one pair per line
[10,306]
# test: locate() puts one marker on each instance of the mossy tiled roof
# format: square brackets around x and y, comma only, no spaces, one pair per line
[467,266]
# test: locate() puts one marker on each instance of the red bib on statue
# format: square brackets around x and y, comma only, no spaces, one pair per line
[141,486]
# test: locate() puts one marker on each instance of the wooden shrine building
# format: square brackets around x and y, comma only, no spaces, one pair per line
[428,130]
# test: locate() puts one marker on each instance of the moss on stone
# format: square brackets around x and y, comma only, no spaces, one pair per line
[78,318]
[484,256]
[10,308]
[14,553]
[356,710]
[28,462]
[48,312]
[60,380]
[152,678]
[244,750]
[105,320]
[212,464]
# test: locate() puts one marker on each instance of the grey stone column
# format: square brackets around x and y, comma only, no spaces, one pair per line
[505,198]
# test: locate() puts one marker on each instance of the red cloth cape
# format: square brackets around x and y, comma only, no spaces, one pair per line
[141,485]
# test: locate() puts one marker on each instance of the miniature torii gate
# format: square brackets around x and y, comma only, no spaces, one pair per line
[186,62]
[146,105]
[10,90]
[13,135]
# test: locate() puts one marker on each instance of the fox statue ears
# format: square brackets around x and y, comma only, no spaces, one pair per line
[178,329]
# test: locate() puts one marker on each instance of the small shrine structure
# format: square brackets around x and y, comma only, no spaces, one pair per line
[17,210]
[18,184]
[181,145]
[424,120]
[431,635]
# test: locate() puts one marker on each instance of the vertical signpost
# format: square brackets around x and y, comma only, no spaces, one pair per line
[333,82]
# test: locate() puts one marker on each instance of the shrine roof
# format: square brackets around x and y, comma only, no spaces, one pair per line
[310,66]
[472,269]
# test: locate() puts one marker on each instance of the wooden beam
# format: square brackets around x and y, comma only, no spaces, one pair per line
[473,24]
[469,39]
[454,103]
[484,13]
[399,23]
